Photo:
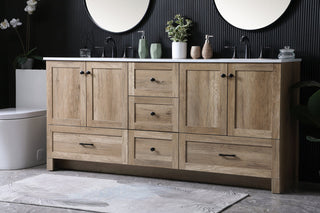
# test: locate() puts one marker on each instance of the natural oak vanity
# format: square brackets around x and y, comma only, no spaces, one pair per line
[222,116]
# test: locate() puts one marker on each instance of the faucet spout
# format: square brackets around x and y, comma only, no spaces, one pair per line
[244,39]
[113,43]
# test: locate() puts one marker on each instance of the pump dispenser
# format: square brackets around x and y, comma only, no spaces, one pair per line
[143,46]
[207,49]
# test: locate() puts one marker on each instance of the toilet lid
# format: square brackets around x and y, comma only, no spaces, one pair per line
[19,113]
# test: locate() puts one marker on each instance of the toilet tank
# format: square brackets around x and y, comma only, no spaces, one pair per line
[31,88]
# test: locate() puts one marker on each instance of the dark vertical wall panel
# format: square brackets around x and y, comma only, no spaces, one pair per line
[60,28]
[3,67]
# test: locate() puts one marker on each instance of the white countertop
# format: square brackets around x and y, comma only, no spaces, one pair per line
[168,60]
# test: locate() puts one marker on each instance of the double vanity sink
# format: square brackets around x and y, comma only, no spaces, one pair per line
[229,117]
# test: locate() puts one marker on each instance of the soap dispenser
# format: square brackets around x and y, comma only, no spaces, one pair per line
[143,47]
[207,49]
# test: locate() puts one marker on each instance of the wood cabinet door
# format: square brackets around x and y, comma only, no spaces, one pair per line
[154,79]
[254,100]
[203,98]
[107,95]
[66,89]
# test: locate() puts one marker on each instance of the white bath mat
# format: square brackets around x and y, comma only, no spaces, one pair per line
[103,195]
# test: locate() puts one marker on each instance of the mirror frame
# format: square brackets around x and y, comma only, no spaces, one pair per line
[92,19]
[252,28]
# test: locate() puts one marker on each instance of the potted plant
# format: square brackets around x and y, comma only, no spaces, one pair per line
[25,59]
[309,115]
[177,30]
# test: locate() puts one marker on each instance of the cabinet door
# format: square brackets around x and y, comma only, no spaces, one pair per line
[66,93]
[107,95]
[254,100]
[203,98]
[154,79]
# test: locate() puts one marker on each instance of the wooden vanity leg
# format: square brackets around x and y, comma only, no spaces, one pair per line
[275,186]
[50,164]
[275,180]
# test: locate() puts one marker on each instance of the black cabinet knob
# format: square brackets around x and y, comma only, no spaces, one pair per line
[231,75]
[223,75]
[81,72]
[88,72]
[152,79]
[152,149]
[152,113]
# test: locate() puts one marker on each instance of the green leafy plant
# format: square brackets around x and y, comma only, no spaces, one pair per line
[178,28]
[309,115]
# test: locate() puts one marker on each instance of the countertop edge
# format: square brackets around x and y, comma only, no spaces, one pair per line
[168,60]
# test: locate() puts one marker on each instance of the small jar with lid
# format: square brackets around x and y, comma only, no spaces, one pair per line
[286,53]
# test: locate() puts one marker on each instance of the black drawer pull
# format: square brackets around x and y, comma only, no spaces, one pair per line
[86,144]
[226,155]
[152,113]
[153,149]
[152,79]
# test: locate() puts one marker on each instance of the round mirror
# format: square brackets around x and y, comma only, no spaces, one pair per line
[251,14]
[117,16]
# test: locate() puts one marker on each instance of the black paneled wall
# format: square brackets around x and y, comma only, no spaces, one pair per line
[3,68]
[60,28]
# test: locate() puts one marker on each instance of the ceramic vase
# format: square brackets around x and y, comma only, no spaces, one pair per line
[179,50]
[28,64]
[195,52]
[155,50]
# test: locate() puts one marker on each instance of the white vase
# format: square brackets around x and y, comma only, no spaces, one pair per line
[179,50]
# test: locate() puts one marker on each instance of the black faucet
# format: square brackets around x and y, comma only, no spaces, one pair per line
[114,47]
[244,39]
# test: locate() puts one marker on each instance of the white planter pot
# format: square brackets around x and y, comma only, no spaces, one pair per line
[179,50]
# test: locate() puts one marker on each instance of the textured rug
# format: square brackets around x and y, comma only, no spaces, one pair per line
[103,195]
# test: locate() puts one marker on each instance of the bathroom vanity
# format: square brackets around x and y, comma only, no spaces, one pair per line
[228,117]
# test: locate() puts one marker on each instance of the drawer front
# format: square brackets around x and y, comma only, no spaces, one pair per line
[229,155]
[88,144]
[159,114]
[153,79]
[155,149]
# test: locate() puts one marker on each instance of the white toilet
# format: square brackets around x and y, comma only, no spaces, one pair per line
[23,129]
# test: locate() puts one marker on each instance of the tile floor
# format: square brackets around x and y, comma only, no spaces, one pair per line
[305,199]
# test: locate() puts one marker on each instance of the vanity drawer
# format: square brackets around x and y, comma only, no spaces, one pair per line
[159,114]
[88,144]
[227,155]
[154,79]
[154,149]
